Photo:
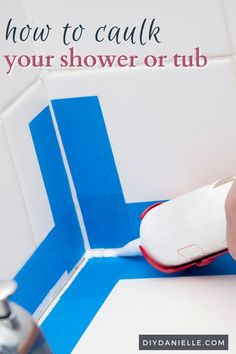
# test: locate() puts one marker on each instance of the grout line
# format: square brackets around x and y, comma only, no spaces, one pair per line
[38,72]
[55,71]
[225,16]
[228,32]
[70,178]
[54,296]
[46,72]
[36,243]
[16,98]
[52,301]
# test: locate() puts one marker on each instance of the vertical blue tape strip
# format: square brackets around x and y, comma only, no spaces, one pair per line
[93,168]
[57,187]
[63,247]
[109,221]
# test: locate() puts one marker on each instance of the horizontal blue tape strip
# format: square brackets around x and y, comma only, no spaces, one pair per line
[52,258]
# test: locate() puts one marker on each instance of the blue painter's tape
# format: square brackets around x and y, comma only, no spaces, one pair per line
[80,303]
[51,165]
[59,252]
[57,187]
[40,273]
[63,247]
[109,221]
[93,168]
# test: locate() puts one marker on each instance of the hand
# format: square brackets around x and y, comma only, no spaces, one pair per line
[230,211]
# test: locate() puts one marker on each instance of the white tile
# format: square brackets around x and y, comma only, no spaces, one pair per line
[230,12]
[13,84]
[16,120]
[16,238]
[186,305]
[171,130]
[184,25]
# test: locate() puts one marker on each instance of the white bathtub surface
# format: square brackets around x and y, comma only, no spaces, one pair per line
[186,305]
